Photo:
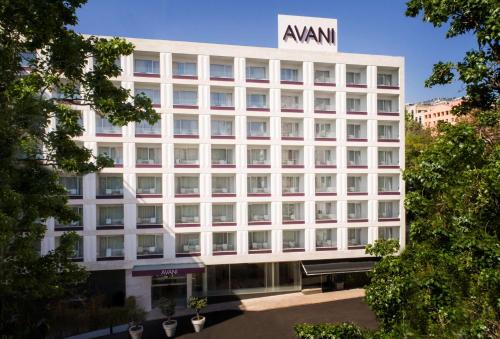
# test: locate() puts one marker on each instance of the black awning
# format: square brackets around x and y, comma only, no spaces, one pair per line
[167,269]
[337,267]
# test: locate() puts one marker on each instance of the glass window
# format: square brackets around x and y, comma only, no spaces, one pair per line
[355,184]
[290,157]
[323,104]
[257,128]
[353,104]
[112,152]
[356,210]
[357,236]
[388,184]
[185,126]
[222,156]
[104,126]
[290,101]
[187,243]
[256,100]
[384,79]
[184,68]
[325,129]
[289,74]
[221,71]
[258,184]
[149,185]
[258,240]
[388,209]
[187,214]
[72,184]
[152,93]
[353,78]
[293,239]
[223,213]
[110,215]
[148,155]
[290,129]
[292,211]
[256,72]
[326,238]
[353,131]
[187,185]
[322,76]
[291,184]
[74,223]
[145,127]
[186,156]
[223,242]
[149,214]
[222,184]
[146,66]
[257,156]
[325,183]
[259,212]
[384,106]
[109,246]
[149,244]
[324,157]
[110,185]
[326,210]
[387,158]
[222,127]
[386,233]
[219,99]
[185,97]
[354,158]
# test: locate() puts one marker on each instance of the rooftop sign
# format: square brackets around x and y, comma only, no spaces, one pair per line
[307,33]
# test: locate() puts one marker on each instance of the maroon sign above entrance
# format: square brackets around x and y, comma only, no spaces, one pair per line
[166,270]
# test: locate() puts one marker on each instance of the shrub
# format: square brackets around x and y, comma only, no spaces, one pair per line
[329,331]
[167,307]
[197,304]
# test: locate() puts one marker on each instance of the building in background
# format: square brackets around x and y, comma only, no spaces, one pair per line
[428,113]
[269,171]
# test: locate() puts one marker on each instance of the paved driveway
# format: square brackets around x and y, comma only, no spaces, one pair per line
[275,323]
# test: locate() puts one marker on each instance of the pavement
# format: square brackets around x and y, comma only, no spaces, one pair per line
[269,317]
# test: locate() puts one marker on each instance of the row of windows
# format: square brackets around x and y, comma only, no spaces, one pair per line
[224,214]
[188,244]
[258,71]
[188,185]
[258,127]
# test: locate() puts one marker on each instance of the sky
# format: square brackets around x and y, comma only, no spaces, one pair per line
[364,26]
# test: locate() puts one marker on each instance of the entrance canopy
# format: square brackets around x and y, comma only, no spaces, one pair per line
[330,267]
[167,269]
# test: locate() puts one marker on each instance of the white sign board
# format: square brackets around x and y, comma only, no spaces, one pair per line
[307,33]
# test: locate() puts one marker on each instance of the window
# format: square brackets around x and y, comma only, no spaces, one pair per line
[387,158]
[384,105]
[356,210]
[146,66]
[388,209]
[257,184]
[353,78]
[325,183]
[385,132]
[145,127]
[222,184]
[184,126]
[221,71]
[290,101]
[148,155]
[187,214]
[384,79]
[357,237]
[187,185]
[223,213]
[149,185]
[77,252]
[257,156]
[149,214]
[186,156]
[388,184]
[258,212]
[222,127]
[324,157]
[259,240]
[289,74]
[354,158]
[72,184]
[257,129]
[353,131]
[293,239]
[386,233]
[74,223]
[149,244]
[220,99]
[323,104]
[256,100]
[290,157]
[290,129]
[326,210]
[256,72]
[222,156]
[112,152]
[187,243]
[185,97]
[355,183]
[110,215]
[109,246]
[323,76]
[325,129]
[109,185]
[353,104]
[326,238]
[104,126]
[223,242]
[292,212]
[184,68]
[291,184]
[152,93]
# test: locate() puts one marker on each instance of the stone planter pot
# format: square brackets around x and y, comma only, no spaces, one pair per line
[169,327]
[136,331]
[198,323]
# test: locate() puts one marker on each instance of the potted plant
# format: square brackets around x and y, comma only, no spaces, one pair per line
[167,307]
[136,316]
[197,304]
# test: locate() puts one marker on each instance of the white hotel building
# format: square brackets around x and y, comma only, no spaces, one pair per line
[269,170]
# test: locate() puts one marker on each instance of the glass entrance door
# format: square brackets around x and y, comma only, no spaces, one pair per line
[169,287]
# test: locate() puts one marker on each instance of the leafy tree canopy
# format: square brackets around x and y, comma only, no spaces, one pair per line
[40,53]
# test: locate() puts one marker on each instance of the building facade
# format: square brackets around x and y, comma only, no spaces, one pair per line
[431,112]
[264,160]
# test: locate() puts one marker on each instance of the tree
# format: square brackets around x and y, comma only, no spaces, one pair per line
[446,282]
[416,139]
[39,52]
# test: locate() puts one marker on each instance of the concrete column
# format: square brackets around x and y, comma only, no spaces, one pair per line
[140,288]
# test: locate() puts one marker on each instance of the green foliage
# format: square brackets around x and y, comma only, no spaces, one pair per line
[197,304]
[136,315]
[328,331]
[33,152]
[416,139]
[167,307]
